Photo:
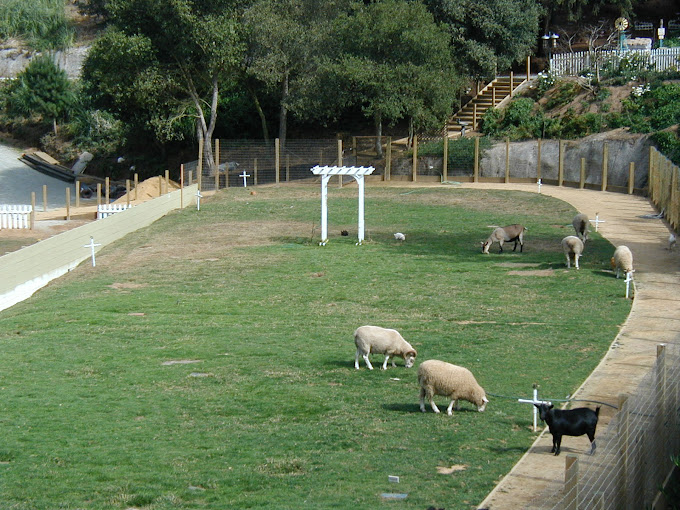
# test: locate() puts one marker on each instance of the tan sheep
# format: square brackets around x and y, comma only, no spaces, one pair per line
[572,246]
[457,383]
[506,235]
[581,224]
[623,260]
[377,340]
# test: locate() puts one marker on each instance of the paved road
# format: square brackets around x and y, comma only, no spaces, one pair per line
[18,180]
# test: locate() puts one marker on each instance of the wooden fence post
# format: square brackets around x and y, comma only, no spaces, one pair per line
[340,161]
[107,190]
[127,189]
[160,185]
[167,182]
[474,116]
[560,164]
[582,179]
[623,435]
[255,170]
[475,172]
[99,194]
[507,160]
[538,159]
[571,483]
[77,189]
[388,161]
[217,164]
[631,177]
[605,165]
[32,210]
[415,158]
[445,160]
[136,177]
[277,158]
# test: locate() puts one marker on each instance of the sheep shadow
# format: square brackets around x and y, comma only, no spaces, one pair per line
[415,408]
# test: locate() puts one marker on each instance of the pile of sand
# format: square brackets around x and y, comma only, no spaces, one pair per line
[153,187]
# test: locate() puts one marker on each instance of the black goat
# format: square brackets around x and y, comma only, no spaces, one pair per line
[572,422]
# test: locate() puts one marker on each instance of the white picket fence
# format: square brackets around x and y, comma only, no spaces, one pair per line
[15,216]
[573,64]
[106,210]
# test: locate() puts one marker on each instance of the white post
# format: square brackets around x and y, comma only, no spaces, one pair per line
[198,200]
[629,278]
[539,185]
[92,246]
[597,221]
[360,183]
[324,209]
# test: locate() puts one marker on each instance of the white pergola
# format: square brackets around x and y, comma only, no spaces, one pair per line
[326,172]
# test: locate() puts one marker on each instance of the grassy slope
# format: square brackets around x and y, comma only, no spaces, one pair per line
[273,413]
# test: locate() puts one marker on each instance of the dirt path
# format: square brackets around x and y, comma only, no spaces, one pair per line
[654,319]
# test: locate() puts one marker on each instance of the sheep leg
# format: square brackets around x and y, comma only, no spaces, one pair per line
[422,400]
[433,406]
[368,363]
[576,256]
[387,357]
[501,246]
[449,410]
[591,436]
[568,261]
[356,360]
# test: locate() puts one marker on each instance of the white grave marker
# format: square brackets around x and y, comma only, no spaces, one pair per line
[597,221]
[629,278]
[245,177]
[534,401]
[92,246]
[539,185]
[198,200]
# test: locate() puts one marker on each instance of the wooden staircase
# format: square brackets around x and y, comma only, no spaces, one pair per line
[496,93]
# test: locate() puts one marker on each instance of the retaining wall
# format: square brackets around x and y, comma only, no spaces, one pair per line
[25,271]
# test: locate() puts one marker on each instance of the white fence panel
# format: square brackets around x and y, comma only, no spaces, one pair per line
[15,216]
[573,64]
[106,210]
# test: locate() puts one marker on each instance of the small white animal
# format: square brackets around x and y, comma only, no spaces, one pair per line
[399,236]
[377,340]
[671,241]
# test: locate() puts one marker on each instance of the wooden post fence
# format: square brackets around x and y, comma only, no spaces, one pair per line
[571,483]
[582,178]
[631,177]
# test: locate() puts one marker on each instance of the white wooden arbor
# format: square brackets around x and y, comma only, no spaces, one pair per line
[326,172]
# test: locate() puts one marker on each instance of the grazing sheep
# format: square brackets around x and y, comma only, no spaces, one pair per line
[572,245]
[506,235]
[572,422]
[623,260]
[373,339]
[457,383]
[399,236]
[581,224]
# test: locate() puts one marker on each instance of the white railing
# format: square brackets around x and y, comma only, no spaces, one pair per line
[573,64]
[15,216]
[106,210]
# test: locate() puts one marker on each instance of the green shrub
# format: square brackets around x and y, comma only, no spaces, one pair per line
[42,23]
[564,94]
[668,144]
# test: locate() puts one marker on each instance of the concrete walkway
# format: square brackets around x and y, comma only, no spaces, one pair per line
[654,319]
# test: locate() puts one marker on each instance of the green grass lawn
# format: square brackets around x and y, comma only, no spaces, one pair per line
[208,360]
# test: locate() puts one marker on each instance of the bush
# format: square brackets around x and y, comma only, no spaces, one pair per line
[564,94]
[668,144]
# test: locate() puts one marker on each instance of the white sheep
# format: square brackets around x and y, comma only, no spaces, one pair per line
[581,224]
[572,246]
[457,383]
[671,241]
[623,260]
[505,235]
[377,340]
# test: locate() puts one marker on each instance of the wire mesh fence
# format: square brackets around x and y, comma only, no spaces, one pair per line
[634,454]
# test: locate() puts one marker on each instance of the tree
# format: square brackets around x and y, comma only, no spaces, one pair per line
[43,90]
[284,41]
[394,61]
[184,51]
[488,37]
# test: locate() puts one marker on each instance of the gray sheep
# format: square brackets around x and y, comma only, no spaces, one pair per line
[457,383]
[506,235]
[572,246]
[377,340]
[581,224]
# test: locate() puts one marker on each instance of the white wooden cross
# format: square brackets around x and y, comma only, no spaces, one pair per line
[597,221]
[92,246]
[358,172]
[245,177]
[629,278]
[534,401]
[198,200]
[539,185]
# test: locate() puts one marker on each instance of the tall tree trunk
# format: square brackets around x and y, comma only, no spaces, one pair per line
[377,119]
[260,113]
[207,128]
[283,117]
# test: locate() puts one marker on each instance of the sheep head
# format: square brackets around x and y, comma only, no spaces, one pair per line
[483,406]
[410,358]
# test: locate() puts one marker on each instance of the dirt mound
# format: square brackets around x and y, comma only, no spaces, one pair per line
[152,187]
